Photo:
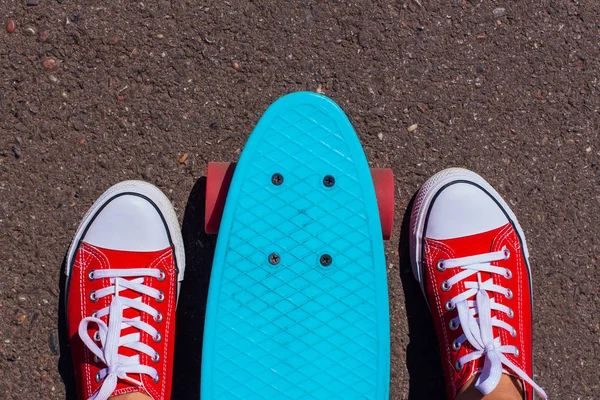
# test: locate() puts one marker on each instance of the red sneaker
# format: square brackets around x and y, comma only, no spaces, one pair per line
[469,254]
[123,270]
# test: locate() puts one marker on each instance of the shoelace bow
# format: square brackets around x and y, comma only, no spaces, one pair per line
[118,366]
[478,330]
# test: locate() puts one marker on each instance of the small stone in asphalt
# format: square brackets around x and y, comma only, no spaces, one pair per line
[499,12]
[53,342]
[483,92]
[10,26]
[50,63]
[17,153]
[380,136]
[30,31]
[480,68]
[44,35]
[420,28]
[32,3]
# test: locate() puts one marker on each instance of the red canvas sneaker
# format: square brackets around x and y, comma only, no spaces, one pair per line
[469,254]
[124,268]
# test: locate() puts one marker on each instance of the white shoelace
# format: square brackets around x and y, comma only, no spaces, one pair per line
[118,366]
[478,330]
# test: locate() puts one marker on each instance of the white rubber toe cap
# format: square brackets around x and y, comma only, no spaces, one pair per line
[463,209]
[128,222]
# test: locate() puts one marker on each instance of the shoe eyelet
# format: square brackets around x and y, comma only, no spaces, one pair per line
[509,294]
[97,336]
[158,318]
[91,275]
[162,276]
[453,325]
[96,359]
[440,266]
[456,346]
[156,379]
[446,286]
[506,253]
[517,353]
[511,313]
[98,378]
[513,333]
[156,357]
[95,314]
[449,306]
[161,297]
[508,274]
[458,366]
[93,297]
[157,338]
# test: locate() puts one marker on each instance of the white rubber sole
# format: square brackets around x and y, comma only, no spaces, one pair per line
[159,200]
[422,204]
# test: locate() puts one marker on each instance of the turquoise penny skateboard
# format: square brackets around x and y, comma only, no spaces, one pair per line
[298,303]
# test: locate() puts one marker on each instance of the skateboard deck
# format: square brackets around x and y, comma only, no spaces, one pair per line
[298,303]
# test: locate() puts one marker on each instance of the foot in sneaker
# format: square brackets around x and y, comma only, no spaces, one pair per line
[469,254]
[124,268]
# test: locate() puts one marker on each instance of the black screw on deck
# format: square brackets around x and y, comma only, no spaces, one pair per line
[274,258]
[326,260]
[277,179]
[329,181]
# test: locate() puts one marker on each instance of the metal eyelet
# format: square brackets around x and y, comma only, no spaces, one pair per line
[449,306]
[458,366]
[506,253]
[156,379]
[93,296]
[509,294]
[162,276]
[511,313]
[446,286]
[456,346]
[97,336]
[95,314]
[440,266]
[156,357]
[513,333]
[158,318]
[91,275]
[517,353]
[96,359]
[161,297]
[508,274]
[453,325]
[157,338]
[98,379]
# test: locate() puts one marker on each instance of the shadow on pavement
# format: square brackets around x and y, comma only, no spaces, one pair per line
[422,355]
[65,362]
[199,250]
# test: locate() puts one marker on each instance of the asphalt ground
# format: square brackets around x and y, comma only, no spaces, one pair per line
[95,92]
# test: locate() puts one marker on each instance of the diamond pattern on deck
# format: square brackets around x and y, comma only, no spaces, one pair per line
[298,330]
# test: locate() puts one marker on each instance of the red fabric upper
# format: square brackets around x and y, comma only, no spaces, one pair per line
[79,306]
[520,303]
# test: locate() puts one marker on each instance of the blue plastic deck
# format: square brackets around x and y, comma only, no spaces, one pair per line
[299,330]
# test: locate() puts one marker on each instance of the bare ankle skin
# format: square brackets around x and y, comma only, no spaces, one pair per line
[509,388]
[131,396]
